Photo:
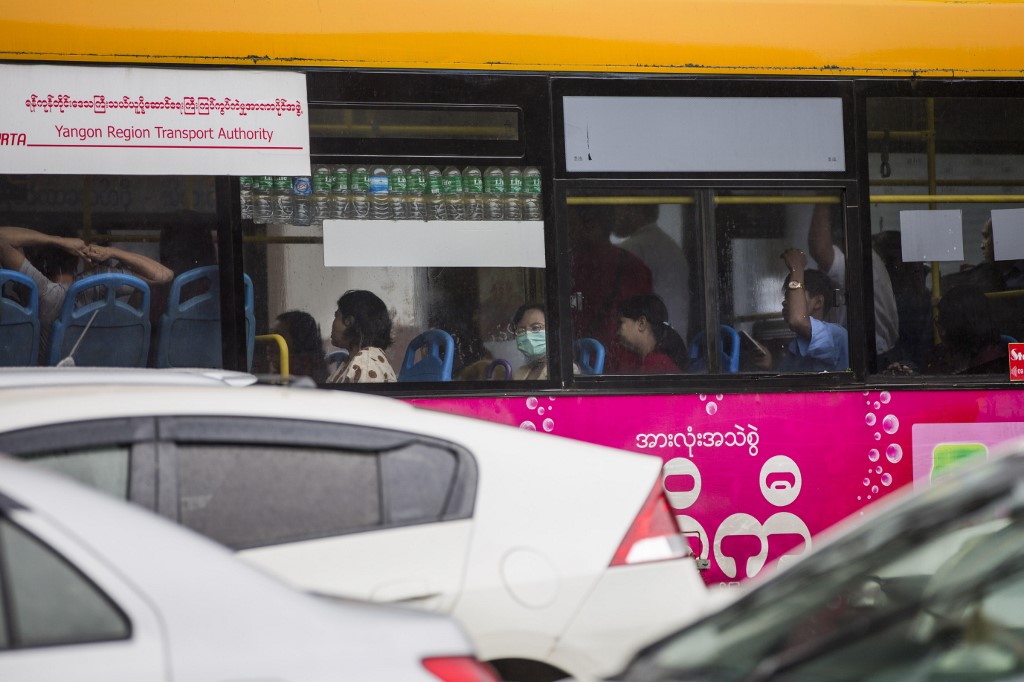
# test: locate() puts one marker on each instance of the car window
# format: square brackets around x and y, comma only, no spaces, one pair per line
[417,483]
[254,496]
[48,602]
[103,468]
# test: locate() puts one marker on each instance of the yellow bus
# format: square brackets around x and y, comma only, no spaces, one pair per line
[571,194]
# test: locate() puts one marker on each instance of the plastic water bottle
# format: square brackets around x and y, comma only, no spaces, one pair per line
[245,186]
[262,204]
[494,193]
[397,188]
[380,203]
[339,193]
[284,206]
[359,193]
[302,201]
[451,181]
[416,186]
[514,193]
[436,209]
[533,206]
[473,196]
[321,194]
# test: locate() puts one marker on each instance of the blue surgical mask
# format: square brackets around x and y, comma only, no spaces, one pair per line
[533,345]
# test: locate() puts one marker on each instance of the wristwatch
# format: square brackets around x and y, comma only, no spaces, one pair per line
[793,284]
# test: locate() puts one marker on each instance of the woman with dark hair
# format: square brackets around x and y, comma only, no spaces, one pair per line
[530,326]
[305,347]
[644,330]
[970,340]
[362,326]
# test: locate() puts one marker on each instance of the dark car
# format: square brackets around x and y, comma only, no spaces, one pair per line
[929,588]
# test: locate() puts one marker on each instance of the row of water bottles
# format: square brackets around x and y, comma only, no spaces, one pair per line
[394,193]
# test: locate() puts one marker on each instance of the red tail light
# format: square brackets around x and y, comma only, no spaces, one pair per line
[654,535]
[460,669]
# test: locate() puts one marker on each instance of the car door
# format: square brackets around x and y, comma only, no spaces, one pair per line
[116,456]
[64,614]
[331,508]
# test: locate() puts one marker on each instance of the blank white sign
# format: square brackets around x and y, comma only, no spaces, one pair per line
[704,134]
[1008,233]
[932,235]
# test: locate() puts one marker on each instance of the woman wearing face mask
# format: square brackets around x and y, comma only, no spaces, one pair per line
[529,324]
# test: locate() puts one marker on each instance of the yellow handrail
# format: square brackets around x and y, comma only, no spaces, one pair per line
[282,349]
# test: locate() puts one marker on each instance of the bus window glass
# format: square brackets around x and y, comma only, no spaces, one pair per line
[778,287]
[632,280]
[297,296]
[59,229]
[957,265]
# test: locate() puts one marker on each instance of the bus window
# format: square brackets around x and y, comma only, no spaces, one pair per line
[474,305]
[631,278]
[67,227]
[947,192]
[779,289]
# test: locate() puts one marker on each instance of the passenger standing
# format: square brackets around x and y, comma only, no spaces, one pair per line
[832,261]
[604,275]
[670,272]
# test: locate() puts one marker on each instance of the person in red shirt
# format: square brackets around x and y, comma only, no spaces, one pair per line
[652,345]
[603,276]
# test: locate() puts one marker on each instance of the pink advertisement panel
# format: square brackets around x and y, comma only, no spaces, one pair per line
[754,478]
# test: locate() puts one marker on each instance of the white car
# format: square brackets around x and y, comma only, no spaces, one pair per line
[93,589]
[558,557]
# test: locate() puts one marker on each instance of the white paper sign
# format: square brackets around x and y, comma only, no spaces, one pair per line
[150,121]
[1008,234]
[932,235]
[440,243]
[703,134]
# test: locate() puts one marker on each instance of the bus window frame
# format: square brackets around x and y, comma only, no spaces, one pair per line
[859,326]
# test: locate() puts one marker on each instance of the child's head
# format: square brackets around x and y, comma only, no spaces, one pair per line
[362,320]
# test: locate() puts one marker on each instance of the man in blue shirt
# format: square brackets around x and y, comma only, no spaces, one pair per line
[819,346]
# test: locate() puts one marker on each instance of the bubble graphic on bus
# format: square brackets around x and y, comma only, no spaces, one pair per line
[885,397]
[531,403]
[947,457]
[886,480]
[711,409]
[891,424]
[894,453]
[870,418]
[873,455]
[549,424]
[528,425]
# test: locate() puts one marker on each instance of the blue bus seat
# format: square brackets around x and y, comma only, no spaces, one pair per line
[730,351]
[19,320]
[335,358]
[591,355]
[189,332]
[100,318]
[438,357]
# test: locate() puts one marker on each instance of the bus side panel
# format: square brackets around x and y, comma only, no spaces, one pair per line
[753,478]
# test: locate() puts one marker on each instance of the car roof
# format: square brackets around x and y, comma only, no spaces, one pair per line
[192,578]
[14,377]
